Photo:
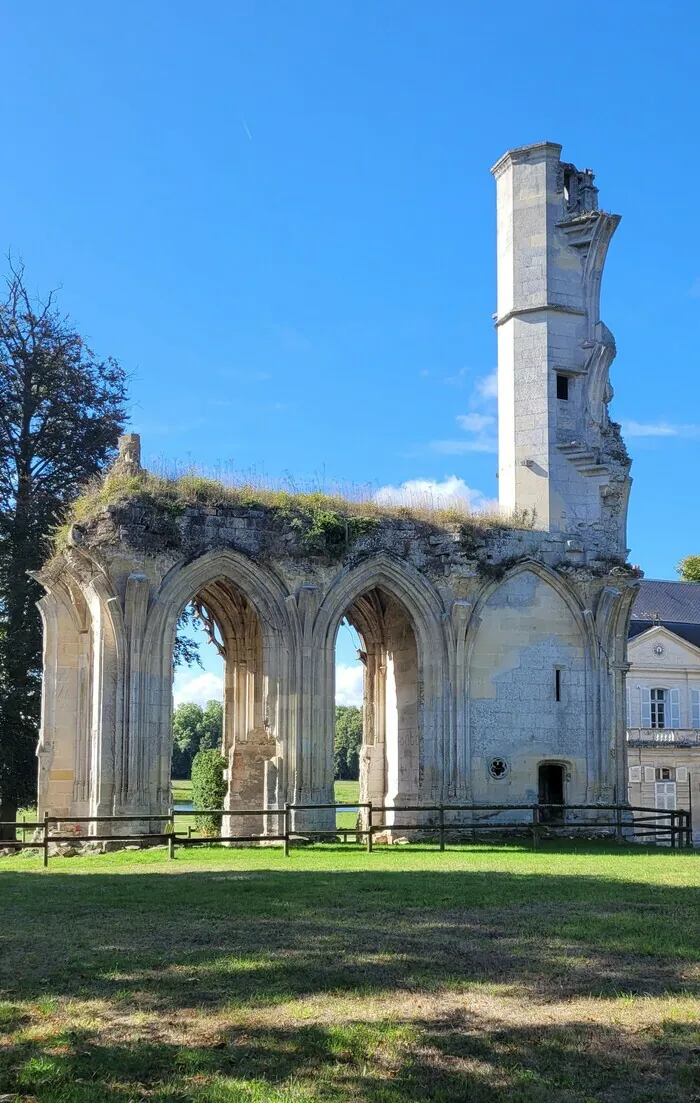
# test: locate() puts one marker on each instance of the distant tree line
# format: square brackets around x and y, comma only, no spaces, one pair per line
[201,729]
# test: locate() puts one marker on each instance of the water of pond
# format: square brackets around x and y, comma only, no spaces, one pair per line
[183,806]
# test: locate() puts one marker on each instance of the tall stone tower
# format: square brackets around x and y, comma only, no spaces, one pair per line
[561,459]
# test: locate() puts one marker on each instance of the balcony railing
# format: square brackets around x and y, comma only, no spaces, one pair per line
[683,736]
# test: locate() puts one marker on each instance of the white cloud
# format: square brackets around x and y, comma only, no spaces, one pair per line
[475,423]
[658,429]
[200,689]
[487,386]
[429,493]
[348,684]
[460,447]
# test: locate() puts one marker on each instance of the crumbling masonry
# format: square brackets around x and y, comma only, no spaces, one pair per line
[491,651]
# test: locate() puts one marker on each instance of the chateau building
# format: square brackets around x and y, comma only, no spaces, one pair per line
[495,651]
[663,698]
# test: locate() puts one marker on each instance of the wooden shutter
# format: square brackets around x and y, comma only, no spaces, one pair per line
[682,774]
[628,696]
[635,774]
[649,773]
[675,710]
[695,708]
[645,707]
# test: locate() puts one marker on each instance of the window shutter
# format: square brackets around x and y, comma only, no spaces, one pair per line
[645,703]
[682,774]
[649,773]
[629,706]
[675,708]
[695,708]
[635,774]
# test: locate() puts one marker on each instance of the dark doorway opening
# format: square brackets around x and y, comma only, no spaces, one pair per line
[550,790]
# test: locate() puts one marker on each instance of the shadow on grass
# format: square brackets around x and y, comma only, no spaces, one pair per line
[402,1063]
[230,941]
[226,937]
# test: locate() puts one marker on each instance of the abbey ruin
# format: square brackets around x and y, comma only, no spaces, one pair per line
[495,651]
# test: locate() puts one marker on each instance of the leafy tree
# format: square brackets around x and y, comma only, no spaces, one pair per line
[186,650]
[348,742]
[195,729]
[212,726]
[689,568]
[187,734]
[61,411]
[208,788]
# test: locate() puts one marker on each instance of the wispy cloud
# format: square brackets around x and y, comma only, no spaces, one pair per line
[694,291]
[475,423]
[244,124]
[659,429]
[431,494]
[487,386]
[463,447]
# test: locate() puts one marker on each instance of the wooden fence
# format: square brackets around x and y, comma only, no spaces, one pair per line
[538,820]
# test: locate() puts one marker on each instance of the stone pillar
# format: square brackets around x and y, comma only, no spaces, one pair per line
[63,749]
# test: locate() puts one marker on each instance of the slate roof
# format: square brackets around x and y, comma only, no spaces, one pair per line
[676,605]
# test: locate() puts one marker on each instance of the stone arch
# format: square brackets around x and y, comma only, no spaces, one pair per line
[523,627]
[220,575]
[416,598]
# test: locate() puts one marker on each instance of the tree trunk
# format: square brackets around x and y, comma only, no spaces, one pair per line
[8,812]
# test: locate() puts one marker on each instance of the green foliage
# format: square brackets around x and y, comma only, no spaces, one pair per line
[689,568]
[61,411]
[348,742]
[212,726]
[195,729]
[208,788]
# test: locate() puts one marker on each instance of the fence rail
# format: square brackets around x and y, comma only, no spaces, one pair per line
[671,826]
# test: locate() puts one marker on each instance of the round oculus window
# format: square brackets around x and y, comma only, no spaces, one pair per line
[498,768]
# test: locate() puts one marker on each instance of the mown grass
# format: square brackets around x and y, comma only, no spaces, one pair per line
[485,973]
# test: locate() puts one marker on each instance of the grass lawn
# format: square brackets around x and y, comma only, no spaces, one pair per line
[487,974]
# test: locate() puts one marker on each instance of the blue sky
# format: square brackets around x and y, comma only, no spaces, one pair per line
[279,217]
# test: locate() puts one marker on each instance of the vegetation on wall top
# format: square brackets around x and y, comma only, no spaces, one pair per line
[324,523]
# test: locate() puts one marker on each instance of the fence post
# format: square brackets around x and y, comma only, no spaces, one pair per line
[171,839]
[46,839]
[369,826]
[442,827]
[286,829]
[618,823]
[535,826]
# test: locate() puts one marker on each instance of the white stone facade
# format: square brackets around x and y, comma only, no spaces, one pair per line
[495,656]
[663,690]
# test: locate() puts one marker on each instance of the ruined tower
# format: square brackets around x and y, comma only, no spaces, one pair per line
[561,459]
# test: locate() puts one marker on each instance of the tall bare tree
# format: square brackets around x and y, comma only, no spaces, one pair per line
[61,411]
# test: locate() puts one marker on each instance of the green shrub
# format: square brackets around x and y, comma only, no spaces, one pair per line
[208,788]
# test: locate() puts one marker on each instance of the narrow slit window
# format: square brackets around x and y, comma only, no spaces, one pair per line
[557,684]
[563,387]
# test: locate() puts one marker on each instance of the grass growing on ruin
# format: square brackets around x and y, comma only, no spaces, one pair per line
[331,519]
[488,974]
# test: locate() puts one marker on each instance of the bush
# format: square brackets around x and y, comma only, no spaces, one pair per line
[208,788]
